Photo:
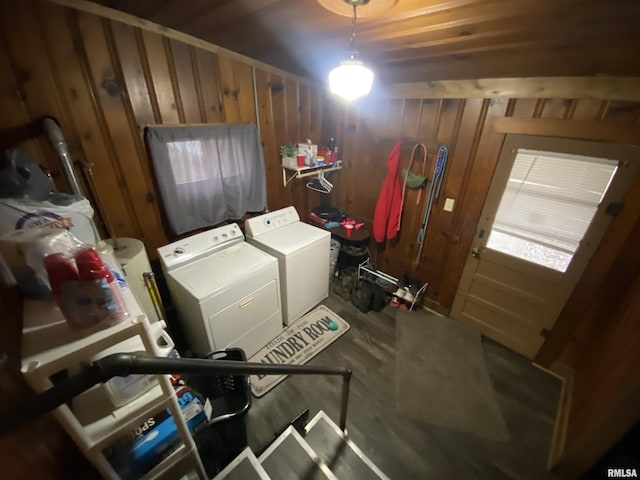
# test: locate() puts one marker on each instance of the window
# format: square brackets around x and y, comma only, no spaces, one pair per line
[207,173]
[548,204]
[187,161]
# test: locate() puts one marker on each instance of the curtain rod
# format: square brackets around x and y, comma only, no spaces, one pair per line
[174,125]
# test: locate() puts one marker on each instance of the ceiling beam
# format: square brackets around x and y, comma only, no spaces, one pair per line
[408,9]
[454,18]
[538,28]
[597,87]
[580,62]
[374,36]
[231,12]
[581,36]
[508,14]
[128,19]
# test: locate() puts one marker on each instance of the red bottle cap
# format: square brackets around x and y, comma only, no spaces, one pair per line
[91,266]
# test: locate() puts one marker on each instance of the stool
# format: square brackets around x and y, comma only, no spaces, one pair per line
[354,249]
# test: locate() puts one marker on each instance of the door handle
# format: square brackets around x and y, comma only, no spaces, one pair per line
[475,252]
[246,303]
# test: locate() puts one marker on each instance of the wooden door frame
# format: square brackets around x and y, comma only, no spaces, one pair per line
[591,130]
[567,322]
[560,283]
[614,418]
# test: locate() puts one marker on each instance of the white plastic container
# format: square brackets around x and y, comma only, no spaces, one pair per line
[118,391]
[121,390]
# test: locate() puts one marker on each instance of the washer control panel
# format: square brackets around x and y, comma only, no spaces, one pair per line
[198,245]
[270,221]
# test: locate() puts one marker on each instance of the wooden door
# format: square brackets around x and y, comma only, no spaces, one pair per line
[549,204]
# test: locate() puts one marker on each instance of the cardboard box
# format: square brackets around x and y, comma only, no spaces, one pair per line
[309,151]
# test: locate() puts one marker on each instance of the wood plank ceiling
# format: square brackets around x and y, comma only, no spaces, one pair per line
[418,40]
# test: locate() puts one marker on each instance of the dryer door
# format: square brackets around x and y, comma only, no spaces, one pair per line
[249,323]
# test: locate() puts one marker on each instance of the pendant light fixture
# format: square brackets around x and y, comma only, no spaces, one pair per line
[351,79]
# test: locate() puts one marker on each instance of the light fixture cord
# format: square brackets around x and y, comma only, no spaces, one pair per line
[353,31]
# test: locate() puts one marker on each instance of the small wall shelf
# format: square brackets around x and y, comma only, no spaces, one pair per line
[288,173]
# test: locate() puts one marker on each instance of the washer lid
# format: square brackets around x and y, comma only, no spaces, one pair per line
[267,222]
[290,238]
[211,274]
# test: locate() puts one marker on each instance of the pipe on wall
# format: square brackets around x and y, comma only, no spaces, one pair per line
[54,134]
[59,145]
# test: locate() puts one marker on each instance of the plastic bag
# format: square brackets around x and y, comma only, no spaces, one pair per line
[24,251]
[53,261]
[86,291]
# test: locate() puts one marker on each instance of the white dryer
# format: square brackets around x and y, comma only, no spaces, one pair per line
[226,291]
[302,251]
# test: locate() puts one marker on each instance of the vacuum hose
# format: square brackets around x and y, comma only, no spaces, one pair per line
[123,364]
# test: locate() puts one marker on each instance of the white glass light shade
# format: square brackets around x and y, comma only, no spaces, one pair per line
[350,80]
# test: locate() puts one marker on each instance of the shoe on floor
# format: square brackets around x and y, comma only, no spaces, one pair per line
[345,284]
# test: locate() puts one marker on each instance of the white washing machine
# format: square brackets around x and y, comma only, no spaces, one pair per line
[302,251]
[226,291]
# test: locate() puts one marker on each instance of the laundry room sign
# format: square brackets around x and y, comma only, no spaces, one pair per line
[298,344]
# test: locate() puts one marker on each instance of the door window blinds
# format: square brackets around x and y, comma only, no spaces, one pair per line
[548,204]
[207,173]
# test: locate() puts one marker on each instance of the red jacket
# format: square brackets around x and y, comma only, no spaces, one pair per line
[387,212]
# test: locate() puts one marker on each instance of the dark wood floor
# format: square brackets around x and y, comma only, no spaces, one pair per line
[404,449]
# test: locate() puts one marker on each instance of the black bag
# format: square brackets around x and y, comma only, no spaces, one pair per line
[330,214]
[379,299]
[362,296]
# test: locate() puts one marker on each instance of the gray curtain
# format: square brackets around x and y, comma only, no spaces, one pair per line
[207,173]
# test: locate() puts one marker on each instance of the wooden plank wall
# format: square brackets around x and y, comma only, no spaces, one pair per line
[598,331]
[606,391]
[105,80]
[366,132]
[598,334]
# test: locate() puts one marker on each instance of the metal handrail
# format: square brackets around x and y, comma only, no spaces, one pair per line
[123,364]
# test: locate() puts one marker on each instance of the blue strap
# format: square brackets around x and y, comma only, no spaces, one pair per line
[433,195]
[443,154]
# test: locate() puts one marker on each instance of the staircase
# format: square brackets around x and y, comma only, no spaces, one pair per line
[324,452]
